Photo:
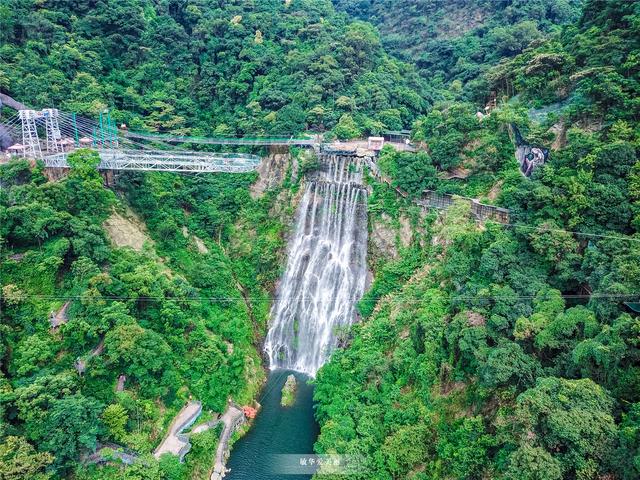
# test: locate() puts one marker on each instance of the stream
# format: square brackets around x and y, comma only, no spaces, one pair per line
[276,431]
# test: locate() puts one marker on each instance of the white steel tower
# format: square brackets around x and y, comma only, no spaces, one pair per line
[53,129]
[30,138]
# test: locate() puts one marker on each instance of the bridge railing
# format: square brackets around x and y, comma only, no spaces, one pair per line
[482,211]
[432,199]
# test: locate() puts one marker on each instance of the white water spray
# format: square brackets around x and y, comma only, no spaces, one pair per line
[326,270]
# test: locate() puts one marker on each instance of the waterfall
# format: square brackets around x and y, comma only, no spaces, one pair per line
[326,269]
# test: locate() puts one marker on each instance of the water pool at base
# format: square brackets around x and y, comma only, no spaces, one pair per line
[276,431]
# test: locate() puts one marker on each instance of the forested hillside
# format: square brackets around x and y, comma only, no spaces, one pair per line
[101,343]
[492,351]
[197,67]
[484,350]
[461,39]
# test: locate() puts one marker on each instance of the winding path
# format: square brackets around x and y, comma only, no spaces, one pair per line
[176,442]
[231,418]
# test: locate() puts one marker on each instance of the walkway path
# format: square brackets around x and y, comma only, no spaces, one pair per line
[432,199]
[231,418]
[115,451]
[58,318]
[364,145]
[176,442]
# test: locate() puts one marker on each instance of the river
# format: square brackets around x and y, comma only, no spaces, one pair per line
[276,431]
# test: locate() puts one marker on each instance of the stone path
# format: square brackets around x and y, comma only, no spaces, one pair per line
[116,452]
[175,442]
[57,319]
[231,419]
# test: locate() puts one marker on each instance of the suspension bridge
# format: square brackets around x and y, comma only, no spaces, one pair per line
[120,149]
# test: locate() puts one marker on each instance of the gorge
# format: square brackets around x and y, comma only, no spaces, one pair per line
[315,303]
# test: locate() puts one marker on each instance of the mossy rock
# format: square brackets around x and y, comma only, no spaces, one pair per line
[289,392]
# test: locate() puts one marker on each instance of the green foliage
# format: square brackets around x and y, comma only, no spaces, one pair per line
[485,351]
[630,443]
[529,367]
[459,39]
[143,353]
[571,419]
[346,128]
[533,463]
[115,418]
[129,313]
[19,460]
[507,364]
[265,67]
[72,424]
[412,173]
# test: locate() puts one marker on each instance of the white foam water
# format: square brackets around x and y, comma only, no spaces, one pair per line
[326,269]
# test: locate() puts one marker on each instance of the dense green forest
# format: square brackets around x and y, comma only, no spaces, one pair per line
[483,350]
[510,352]
[460,39]
[195,67]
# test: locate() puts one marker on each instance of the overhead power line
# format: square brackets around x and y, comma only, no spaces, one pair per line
[244,299]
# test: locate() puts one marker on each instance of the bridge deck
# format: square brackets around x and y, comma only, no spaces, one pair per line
[166,161]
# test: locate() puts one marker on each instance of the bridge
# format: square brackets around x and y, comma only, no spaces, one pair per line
[165,161]
[120,149]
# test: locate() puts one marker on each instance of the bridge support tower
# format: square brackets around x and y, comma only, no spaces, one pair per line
[30,139]
[52,127]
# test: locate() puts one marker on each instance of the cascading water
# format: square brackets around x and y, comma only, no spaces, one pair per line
[326,270]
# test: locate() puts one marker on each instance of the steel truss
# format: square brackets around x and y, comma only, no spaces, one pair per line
[166,161]
[30,139]
[52,128]
[266,141]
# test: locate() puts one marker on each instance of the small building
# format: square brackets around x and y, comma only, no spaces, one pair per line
[59,318]
[121,381]
[397,136]
[375,143]
[66,144]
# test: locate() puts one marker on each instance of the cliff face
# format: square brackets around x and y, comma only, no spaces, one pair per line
[272,171]
[7,101]
[388,235]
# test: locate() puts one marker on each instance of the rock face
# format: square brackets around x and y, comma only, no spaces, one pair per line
[6,139]
[271,171]
[198,242]
[289,392]
[126,232]
[387,235]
